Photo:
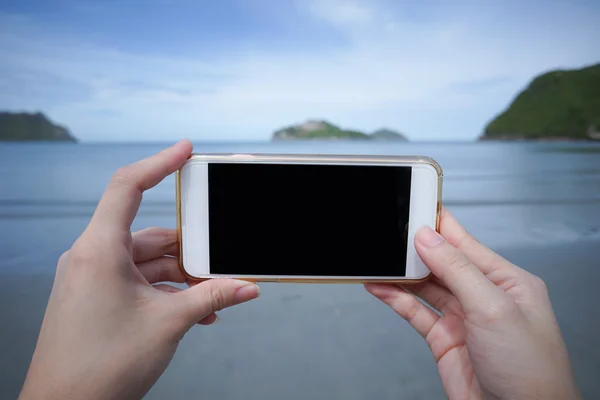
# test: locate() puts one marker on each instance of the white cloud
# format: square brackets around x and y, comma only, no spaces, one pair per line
[433,79]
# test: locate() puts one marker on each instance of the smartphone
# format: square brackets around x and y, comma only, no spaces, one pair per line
[305,218]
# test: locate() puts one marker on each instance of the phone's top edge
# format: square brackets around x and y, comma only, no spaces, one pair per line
[418,159]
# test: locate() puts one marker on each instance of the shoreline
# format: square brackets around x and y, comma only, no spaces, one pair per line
[536,140]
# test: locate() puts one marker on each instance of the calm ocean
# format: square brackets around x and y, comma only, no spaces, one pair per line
[537,203]
[508,194]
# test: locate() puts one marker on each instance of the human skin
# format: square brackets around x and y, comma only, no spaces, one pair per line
[110,330]
[494,334]
[112,325]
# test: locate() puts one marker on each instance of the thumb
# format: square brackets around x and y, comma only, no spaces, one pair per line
[213,295]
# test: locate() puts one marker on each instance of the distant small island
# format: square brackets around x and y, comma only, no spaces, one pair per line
[31,127]
[323,130]
[557,105]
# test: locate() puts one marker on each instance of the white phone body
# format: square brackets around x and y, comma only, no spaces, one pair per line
[193,211]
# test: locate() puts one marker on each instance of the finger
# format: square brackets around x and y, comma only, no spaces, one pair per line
[121,200]
[436,296]
[406,305]
[209,319]
[484,258]
[166,288]
[154,242]
[504,274]
[162,269]
[205,298]
[472,289]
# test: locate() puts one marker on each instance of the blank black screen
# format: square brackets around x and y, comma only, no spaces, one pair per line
[340,220]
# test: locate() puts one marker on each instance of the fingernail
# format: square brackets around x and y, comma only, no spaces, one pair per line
[216,320]
[247,292]
[428,237]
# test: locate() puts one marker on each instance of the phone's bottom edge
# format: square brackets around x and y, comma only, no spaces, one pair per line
[403,281]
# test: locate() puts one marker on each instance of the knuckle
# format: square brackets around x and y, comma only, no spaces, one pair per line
[94,250]
[64,257]
[122,177]
[63,260]
[500,311]
[167,236]
[152,274]
[167,271]
[410,308]
[458,262]
[538,285]
[125,181]
[216,298]
[465,240]
[162,274]
[79,257]
[121,174]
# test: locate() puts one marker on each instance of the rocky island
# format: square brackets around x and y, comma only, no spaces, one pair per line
[31,127]
[323,130]
[557,105]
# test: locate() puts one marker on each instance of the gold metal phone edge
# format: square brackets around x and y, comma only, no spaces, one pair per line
[303,157]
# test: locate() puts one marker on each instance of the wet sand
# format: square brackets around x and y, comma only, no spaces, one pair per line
[318,341]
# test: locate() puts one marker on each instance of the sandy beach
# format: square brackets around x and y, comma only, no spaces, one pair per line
[319,341]
[314,341]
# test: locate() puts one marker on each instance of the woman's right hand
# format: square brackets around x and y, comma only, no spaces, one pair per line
[497,335]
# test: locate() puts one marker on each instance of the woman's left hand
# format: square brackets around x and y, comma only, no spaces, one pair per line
[110,328]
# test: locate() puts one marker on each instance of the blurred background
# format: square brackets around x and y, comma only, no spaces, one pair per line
[504,95]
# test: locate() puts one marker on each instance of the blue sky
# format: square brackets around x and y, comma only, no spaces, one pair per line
[155,70]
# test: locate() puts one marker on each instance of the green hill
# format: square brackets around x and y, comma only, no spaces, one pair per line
[31,127]
[387,134]
[323,130]
[563,104]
